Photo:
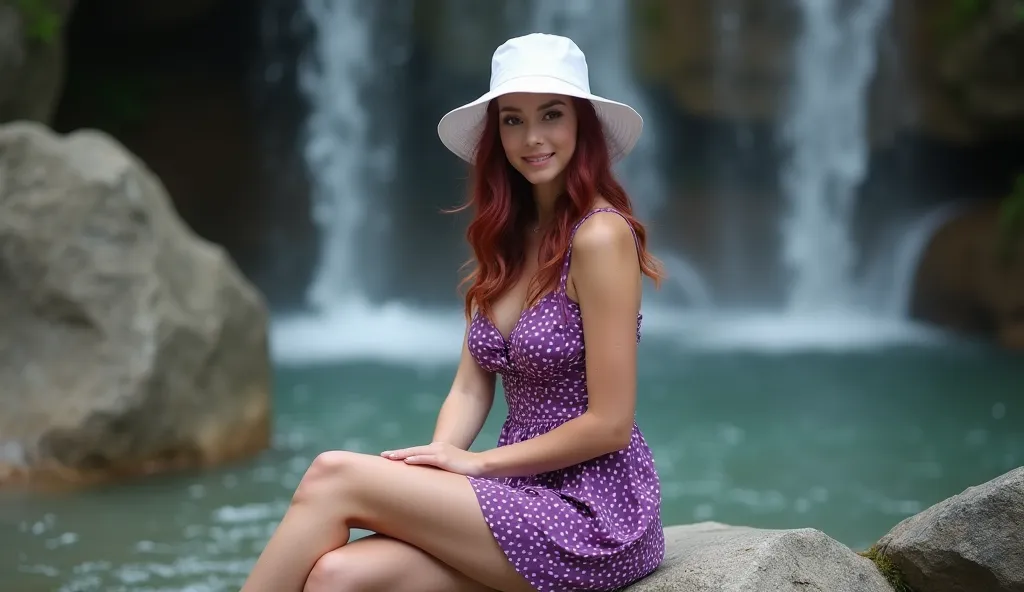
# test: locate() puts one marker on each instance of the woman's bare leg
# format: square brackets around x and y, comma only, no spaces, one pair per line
[433,510]
[382,564]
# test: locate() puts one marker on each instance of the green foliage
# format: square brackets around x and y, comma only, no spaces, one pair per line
[114,99]
[42,22]
[1011,221]
[969,9]
[649,14]
[964,13]
[960,16]
[889,571]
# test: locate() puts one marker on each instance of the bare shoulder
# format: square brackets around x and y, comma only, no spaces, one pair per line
[605,268]
[605,235]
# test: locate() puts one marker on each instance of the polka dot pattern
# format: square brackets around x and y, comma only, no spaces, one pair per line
[592,526]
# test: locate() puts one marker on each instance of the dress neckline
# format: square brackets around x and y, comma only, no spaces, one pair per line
[561,281]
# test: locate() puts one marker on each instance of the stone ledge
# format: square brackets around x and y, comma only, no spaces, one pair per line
[973,541]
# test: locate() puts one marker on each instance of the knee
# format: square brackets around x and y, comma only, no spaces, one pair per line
[339,571]
[327,475]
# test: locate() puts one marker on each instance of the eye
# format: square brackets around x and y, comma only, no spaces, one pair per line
[552,115]
[510,120]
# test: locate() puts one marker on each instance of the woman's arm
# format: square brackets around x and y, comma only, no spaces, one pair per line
[606,274]
[468,403]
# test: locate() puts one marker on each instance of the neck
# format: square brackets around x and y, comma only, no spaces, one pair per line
[544,198]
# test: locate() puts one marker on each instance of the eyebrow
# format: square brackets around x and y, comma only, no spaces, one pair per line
[547,105]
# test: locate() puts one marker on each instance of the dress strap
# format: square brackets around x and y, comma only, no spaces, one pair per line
[568,252]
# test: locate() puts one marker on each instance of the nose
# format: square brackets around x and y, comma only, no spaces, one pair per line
[533,135]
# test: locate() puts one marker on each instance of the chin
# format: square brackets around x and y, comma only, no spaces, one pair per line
[541,177]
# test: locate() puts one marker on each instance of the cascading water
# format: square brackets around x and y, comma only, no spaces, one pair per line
[337,132]
[732,247]
[351,152]
[601,29]
[344,124]
[825,131]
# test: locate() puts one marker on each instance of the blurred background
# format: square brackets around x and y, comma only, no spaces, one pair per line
[830,184]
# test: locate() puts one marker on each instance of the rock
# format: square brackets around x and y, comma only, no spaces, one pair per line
[954,77]
[970,542]
[32,59]
[965,68]
[737,61]
[129,345]
[697,50]
[712,557]
[964,283]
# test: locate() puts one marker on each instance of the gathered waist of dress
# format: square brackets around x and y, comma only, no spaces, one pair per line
[525,417]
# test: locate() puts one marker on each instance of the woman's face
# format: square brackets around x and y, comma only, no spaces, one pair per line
[538,133]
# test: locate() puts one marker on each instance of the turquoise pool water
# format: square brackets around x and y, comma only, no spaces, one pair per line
[849,442]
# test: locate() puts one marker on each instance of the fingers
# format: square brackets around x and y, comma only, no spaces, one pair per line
[407,452]
[398,454]
[436,454]
[412,456]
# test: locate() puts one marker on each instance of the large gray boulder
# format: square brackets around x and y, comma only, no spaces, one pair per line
[713,557]
[127,344]
[971,542]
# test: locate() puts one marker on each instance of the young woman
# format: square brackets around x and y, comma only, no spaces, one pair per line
[569,499]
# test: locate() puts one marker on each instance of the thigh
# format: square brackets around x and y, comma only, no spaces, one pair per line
[429,508]
[380,563]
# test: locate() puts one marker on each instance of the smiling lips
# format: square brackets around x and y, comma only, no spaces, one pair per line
[539,160]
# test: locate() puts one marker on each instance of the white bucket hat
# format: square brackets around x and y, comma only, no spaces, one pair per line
[540,63]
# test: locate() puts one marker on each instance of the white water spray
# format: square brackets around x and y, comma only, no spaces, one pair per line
[825,130]
[337,132]
[348,152]
[601,29]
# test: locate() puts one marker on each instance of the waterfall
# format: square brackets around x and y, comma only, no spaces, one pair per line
[338,125]
[343,79]
[356,127]
[601,29]
[350,153]
[733,259]
[903,254]
[825,131]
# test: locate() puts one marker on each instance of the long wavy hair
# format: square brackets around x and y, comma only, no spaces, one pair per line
[502,203]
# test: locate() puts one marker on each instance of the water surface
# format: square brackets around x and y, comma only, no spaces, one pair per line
[849,443]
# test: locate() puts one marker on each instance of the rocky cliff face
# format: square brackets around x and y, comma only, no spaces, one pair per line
[971,280]
[960,70]
[957,69]
[968,78]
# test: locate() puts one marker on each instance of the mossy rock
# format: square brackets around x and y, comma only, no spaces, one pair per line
[889,571]
[41,19]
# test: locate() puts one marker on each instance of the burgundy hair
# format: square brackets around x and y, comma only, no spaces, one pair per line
[502,203]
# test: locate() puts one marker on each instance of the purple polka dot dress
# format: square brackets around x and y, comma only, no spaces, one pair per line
[592,526]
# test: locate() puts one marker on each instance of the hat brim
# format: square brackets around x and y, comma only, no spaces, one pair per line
[460,128]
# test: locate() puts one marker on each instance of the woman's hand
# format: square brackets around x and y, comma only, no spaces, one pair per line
[441,455]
